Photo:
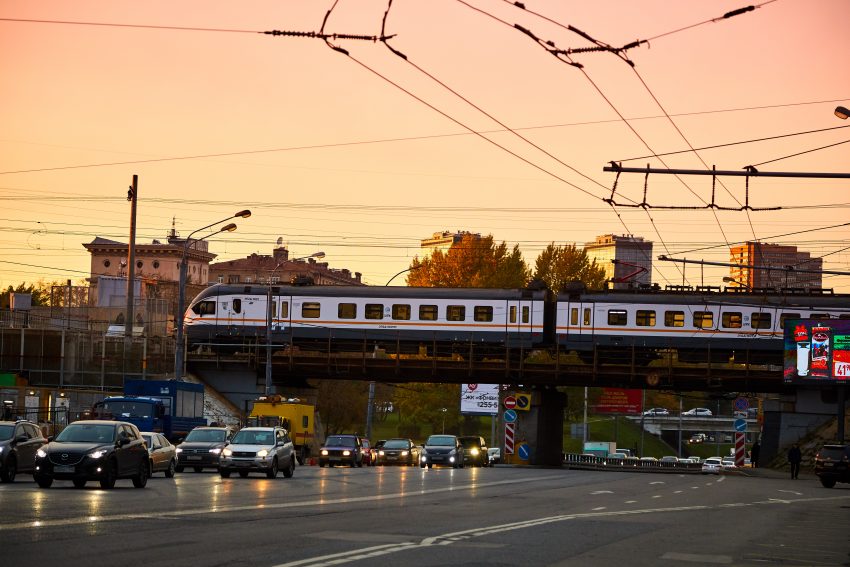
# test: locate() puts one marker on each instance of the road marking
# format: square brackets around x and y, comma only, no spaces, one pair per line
[597,509]
[631,502]
[695,558]
[657,482]
[657,496]
[677,492]
[791,492]
[595,492]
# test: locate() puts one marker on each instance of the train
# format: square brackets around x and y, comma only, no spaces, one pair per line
[610,326]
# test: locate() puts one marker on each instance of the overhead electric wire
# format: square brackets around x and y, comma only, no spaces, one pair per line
[800,153]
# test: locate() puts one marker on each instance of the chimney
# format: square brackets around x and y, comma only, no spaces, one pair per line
[280,254]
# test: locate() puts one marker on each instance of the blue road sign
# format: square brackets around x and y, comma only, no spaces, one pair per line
[524,452]
[510,416]
[740,425]
[523,402]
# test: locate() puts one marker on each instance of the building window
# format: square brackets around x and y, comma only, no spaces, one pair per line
[703,319]
[374,311]
[785,316]
[139,264]
[674,318]
[106,263]
[482,313]
[311,309]
[617,317]
[401,312]
[220,279]
[455,313]
[427,312]
[156,264]
[274,279]
[347,311]
[248,279]
[574,316]
[645,318]
[233,279]
[761,321]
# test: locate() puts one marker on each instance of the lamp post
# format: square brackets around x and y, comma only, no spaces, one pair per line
[270,318]
[842,112]
[728,279]
[181,288]
[444,410]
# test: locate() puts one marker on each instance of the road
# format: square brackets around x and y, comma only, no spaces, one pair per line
[412,516]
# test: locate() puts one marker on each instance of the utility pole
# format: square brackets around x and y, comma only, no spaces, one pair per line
[132,196]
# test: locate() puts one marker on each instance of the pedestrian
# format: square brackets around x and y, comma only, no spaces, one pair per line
[795,457]
[754,454]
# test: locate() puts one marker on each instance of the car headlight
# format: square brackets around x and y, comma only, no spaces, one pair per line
[41,453]
[405,453]
[97,454]
[1,450]
[474,452]
[216,451]
[381,453]
[262,453]
[226,452]
[423,458]
[452,459]
[179,450]
[324,452]
[346,453]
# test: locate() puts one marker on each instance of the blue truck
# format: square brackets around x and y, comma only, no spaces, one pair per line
[170,407]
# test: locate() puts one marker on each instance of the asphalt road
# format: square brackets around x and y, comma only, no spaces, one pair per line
[412,516]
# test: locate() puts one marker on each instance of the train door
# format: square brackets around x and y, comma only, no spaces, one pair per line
[520,321]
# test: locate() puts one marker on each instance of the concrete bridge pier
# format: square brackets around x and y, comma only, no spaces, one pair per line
[547,409]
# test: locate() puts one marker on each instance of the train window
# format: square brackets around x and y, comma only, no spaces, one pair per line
[761,321]
[785,316]
[587,315]
[512,314]
[374,311]
[526,312]
[455,313]
[346,311]
[703,319]
[427,312]
[311,309]
[574,316]
[204,308]
[284,309]
[401,311]
[617,317]
[732,320]
[674,318]
[645,318]
[819,316]
[237,305]
[482,313]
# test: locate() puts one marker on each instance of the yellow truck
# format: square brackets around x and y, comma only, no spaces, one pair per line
[298,418]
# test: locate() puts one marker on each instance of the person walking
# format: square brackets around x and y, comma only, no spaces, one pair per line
[795,457]
[754,455]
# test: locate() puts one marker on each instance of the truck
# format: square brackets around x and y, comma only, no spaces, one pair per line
[599,448]
[170,407]
[298,418]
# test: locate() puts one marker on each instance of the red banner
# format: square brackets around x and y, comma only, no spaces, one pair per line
[618,400]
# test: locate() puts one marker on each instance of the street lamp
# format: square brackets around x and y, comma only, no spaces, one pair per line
[728,279]
[270,317]
[842,112]
[181,291]
[444,410]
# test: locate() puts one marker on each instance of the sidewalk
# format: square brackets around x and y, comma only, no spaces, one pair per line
[781,473]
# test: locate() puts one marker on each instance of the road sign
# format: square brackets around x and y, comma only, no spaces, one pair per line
[509,438]
[510,416]
[523,402]
[741,425]
[510,402]
[524,451]
[742,404]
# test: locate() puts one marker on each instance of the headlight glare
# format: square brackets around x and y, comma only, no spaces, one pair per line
[324,452]
[216,451]
[346,453]
[405,453]
[41,453]
[226,452]
[262,453]
[179,450]
[97,454]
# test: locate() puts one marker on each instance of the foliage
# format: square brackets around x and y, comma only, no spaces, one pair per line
[40,293]
[420,404]
[342,405]
[471,262]
[557,266]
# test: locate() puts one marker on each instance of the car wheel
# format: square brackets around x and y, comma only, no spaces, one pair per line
[108,480]
[169,472]
[827,482]
[79,483]
[272,472]
[355,463]
[421,465]
[430,465]
[243,474]
[454,465]
[199,469]
[224,473]
[44,481]
[290,470]
[141,479]
[321,464]
[8,473]
[178,468]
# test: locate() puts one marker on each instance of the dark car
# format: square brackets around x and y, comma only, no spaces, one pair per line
[94,450]
[341,450]
[399,452]
[202,448]
[474,450]
[19,440]
[369,454]
[832,464]
[163,455]
[442,450]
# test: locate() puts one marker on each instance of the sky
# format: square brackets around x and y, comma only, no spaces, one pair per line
[361,153]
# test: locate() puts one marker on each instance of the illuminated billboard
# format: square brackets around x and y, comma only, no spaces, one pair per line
[817,350]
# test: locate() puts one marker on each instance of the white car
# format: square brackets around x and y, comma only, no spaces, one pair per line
[259,449]
[657,412]
[698,412]
[728,462]
[494,455]
[712,465]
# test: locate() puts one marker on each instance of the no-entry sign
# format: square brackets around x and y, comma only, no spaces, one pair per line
[510,402]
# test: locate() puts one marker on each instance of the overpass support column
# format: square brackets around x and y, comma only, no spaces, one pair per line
[550,426]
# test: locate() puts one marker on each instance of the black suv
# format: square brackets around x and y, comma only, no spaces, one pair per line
[94,450]
[202,448]
[474,450]
[19,440]
[832,464]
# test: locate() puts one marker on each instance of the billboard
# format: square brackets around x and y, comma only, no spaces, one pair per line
[619,401]
[479,399]
[817,351]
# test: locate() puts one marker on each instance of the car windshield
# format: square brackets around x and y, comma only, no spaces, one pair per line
[340,441]
[441,440]
[87,433]
[834,453]
[253,437]
[6,432]
[205,436]
[397,444]
[470,442]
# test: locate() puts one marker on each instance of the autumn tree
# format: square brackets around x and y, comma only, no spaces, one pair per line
[559,265]
[422,404]
[40,294]
[342,405]
[471,262]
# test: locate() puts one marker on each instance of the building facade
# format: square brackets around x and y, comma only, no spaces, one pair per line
[278,268]
[442,241]
[749,256]
[632,253]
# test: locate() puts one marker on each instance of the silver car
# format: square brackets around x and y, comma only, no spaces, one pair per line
[258,449]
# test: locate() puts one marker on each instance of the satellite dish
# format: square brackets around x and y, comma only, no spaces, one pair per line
[279,240]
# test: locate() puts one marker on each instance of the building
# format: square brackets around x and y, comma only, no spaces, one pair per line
[751,255]
[278,268]
[632,253]
[442,241]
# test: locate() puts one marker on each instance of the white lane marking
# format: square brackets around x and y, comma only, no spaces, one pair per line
[695,558]
[721,479]
[630,502]
[597,509]
[657,482]
[791,492]
[595,492]
[245,508]
[656,496]
[677,492]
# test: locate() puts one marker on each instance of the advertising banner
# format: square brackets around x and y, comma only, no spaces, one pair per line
[479,399]
[619,400]
[817,351]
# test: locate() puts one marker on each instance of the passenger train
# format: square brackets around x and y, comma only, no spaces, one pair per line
[606,326]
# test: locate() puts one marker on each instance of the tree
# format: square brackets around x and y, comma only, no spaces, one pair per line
[342,405]
[560,265]
[471,262]
[423,404]
[40,294]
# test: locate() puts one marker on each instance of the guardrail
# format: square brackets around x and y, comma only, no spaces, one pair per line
[633,464]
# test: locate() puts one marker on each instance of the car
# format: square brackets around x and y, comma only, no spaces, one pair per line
[19,441]
[705,412]
[341,450]
[163,455]
[101,450]
[832,464]
[202,448]
[474,450]
[625,452]
[369,454]
[494,455]
[442,450]
[712,465]
[651,460]
[258,449]
[698,438]
[668,460]
[399,451]
[659,412]
[728,463]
